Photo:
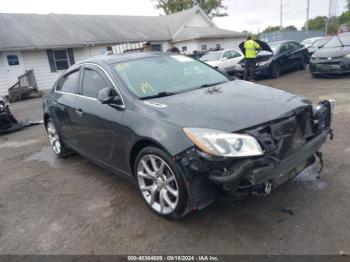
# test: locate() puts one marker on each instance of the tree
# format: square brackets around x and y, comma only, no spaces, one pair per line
[271,29]
[213,8]
[290,28]
[317,23]
[348,5]
[344,18]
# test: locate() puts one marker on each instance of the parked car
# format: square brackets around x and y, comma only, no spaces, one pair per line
[181,129]
[309,41]
[8,122]
[318,44]
[286,56]
[333,58]
[225,60]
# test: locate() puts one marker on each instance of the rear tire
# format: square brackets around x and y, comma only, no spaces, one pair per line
[55,140]
[161,183]
[275,70]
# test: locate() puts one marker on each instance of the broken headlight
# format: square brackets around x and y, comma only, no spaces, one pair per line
[263,63]
[219,143]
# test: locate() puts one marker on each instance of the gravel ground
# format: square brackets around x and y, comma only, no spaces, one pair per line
[54,206]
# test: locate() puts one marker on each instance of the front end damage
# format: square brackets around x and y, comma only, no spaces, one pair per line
[290,145]
[8,122]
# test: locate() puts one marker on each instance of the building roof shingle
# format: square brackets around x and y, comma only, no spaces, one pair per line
[37,31]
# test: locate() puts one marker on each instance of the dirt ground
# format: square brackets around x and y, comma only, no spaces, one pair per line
[54,206]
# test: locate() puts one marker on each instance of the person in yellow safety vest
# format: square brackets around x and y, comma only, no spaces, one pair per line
[251,48]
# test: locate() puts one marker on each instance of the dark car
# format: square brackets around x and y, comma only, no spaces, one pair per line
[333,58]
[8,122]
[318,44]
[286,56]
[182,130]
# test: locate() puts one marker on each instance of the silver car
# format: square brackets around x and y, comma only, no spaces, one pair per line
[226,60]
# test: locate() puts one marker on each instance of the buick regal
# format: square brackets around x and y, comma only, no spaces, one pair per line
[181,130]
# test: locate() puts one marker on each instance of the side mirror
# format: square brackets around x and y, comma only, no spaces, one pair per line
[107,95]
[224,58]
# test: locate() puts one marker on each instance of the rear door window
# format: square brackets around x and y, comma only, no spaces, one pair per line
[69,83]
[93,82]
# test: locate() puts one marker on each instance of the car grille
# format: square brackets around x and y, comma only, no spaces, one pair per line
[336,59]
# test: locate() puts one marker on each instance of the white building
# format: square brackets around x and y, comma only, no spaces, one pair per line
[49,44]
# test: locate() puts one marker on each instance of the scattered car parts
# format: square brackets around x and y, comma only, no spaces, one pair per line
[8,123]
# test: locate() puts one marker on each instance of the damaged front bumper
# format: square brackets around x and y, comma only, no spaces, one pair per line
[290,146]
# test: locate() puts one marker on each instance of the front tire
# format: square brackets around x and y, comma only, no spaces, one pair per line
[161,183]
[275,70]
[302,65]
[55,140]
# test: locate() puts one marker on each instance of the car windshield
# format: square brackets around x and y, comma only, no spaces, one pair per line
[165,74]
[334,42]
[321,42]
[214,56]
[309,41]
[275,46]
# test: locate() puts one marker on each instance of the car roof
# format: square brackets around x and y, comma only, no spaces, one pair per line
[312,38]
[280,42]
[117,58]
[218,51]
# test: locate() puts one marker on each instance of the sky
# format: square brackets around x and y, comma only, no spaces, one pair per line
[243,15]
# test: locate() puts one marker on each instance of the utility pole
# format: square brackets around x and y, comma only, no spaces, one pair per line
[307,16]
[329,16]
[281,16]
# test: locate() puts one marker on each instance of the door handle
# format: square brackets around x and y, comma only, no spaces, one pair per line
[79,112]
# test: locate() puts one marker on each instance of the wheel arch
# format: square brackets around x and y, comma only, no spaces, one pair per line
[46,118]
[138,146]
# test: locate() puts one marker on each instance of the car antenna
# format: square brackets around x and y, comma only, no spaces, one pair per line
[340,40]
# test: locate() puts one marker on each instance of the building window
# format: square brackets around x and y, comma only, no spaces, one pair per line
[156,47]
[61,59]
[184,49]
[218,46]
[12,60]
[204,47]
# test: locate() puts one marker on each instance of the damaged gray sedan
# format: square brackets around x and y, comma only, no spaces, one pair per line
[183,131]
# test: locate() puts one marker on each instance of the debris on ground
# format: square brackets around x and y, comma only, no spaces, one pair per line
[8,123]
[287,210]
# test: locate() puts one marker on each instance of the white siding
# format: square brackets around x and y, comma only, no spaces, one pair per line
[3,77]
[191,46]
[226,43]
[86,52]
[198,21]
[166,46]
[38,61]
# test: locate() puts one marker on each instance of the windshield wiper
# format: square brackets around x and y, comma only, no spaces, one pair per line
[210,85]
[160,94]
[340,41]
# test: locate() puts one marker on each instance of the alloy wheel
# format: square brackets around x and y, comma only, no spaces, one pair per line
[158,184]
[54,138]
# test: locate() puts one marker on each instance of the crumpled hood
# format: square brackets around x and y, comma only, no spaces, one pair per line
[333,52]
[237,105]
